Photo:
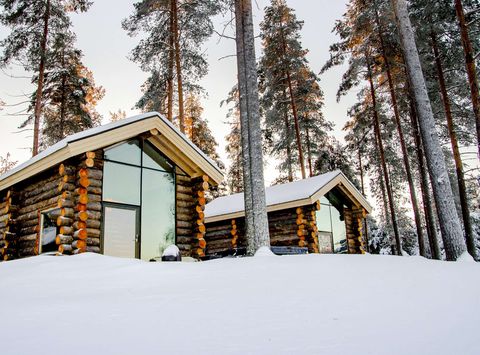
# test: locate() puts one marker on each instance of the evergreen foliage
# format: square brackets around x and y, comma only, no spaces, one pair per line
[291,99]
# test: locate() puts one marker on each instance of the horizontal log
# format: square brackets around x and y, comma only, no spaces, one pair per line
[213,228]
[64,221]
[79,244]
[68,179]
[184,224]
[28,238]
[50,194]
[185,217]
[184,204]
[183,179]
[66,170]
[67,212]
[67,230]
[63,239]
[93,232]
[65,186]
[93,249]
[185,189]
[29,230]
[210,233]
[185,197]
[184,231]
[43,186]
[65,248]
[94,206]
[90,223]
[29,251]
[62,202]
[80,234]
[184,240]
[86,215]
[184,248]
[93,241]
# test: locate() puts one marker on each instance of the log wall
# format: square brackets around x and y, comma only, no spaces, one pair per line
[353,223]
[185,206]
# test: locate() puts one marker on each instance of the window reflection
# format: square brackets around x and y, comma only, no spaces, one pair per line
[331,230]
[158,213]
[128,152]
[121,183]
[49,231]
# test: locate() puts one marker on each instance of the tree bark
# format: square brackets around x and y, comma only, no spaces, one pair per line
[289,151]
[448,218]
[462,189]
[41,77]
[365,223]
[378,133]
[171,60]
[254,186]
[427,202]
[178,66]
[294,110]
[470,66]
[406,162]
[309,153]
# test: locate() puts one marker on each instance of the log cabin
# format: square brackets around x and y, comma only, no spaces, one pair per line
[129,189]
[321,214]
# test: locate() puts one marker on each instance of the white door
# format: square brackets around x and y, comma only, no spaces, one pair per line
[120,233]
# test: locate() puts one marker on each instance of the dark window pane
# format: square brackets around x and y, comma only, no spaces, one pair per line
[339,232]
[121,183]
[153,159]
[49,231]
[128,152]
[158,213]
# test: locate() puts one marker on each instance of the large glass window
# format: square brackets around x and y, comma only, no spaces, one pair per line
[136,174]
[332,234]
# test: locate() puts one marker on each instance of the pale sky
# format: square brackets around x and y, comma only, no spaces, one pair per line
[106,47]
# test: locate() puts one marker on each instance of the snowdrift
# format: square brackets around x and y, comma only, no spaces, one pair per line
[308,304]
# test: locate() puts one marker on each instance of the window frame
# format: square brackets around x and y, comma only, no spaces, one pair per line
[40,234]
[142,142]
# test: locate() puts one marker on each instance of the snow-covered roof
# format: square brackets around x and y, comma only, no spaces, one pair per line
[289,195]
[176,137]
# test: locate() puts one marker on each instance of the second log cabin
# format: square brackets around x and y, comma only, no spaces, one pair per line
[129,189]
[321,214]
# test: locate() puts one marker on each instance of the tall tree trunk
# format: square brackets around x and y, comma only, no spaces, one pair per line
[254,192]
[294,108]
[470,65]
[456,151]
[178,66]
[41,77]
[365,224]
[398,122]
[448,218]
[378,133]
[287,131]
[171,60]
[424,185]
[309,151]
[62,100]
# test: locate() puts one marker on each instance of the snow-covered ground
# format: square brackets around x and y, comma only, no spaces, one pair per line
[308,304]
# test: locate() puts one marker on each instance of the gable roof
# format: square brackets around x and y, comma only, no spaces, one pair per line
[186,155]
[289,195]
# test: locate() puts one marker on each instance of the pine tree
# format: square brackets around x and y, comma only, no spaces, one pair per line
[171,50]
[33,24]
[69,94]
[291,96]
[234,177]
[449,222]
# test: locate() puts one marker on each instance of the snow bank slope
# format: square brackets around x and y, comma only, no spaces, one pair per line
[309,304]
